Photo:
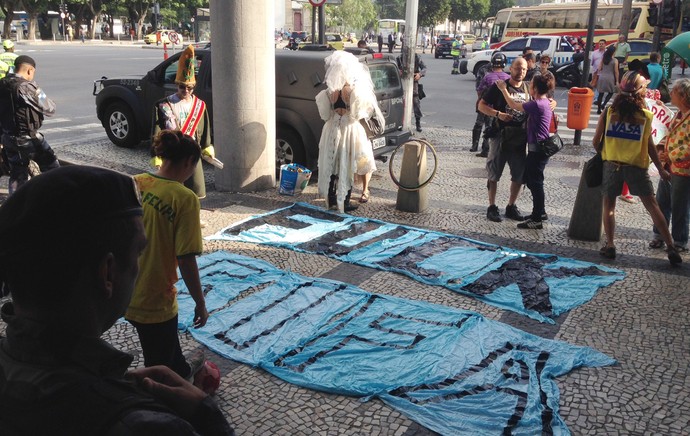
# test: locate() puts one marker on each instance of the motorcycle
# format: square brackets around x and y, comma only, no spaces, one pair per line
[293,44]
[569,74]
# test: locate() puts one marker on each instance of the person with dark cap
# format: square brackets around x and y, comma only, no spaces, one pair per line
[23,104]
[57,375]
[498,63]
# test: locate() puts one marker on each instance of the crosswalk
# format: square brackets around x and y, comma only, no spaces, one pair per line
[62,131]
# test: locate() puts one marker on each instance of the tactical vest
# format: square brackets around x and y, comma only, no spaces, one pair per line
[17,118]
[455,48]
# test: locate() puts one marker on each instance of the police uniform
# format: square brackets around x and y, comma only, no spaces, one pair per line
[22,108]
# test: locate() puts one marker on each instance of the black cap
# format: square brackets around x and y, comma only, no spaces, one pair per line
[69,200]
[24,59]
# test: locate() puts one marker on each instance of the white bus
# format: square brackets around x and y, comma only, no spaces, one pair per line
[387,26]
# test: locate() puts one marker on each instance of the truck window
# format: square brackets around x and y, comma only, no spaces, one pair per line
[171,70]
[384,77]
[539,44]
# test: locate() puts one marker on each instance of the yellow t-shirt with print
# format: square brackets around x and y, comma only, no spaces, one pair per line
[628,142]
[171,222]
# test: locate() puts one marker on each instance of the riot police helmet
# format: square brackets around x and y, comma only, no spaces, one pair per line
[498,60]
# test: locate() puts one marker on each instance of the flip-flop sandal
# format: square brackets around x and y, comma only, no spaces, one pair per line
[364,198]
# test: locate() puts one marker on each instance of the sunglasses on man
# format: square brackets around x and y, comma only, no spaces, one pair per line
[188,88]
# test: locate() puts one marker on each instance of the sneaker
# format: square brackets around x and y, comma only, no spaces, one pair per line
[680,248]
[530,224]
[544,217]
[513,213]
[673,256]
[195,359]
[608,252]
[482,154]
[493,214]
[473,149]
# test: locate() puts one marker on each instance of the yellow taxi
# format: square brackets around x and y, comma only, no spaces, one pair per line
[162,36]
[333,40]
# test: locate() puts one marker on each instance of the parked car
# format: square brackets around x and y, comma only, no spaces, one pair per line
[333,40]
[639,49]
[443,46]
[468,38]
[154,38]
[125,104]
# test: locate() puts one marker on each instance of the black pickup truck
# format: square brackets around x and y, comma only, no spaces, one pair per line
[125,104]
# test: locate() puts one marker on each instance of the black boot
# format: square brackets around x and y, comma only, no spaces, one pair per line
[332,198]
[349,207]
[476,134]
[419,126]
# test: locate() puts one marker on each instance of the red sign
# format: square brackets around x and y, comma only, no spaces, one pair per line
[317,3]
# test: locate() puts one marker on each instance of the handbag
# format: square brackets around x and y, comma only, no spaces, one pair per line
[594,171]
[664,91]
[371,126]
[551,145]
[513,138]
[420,91]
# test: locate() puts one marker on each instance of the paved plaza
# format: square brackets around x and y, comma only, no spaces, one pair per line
[640,321]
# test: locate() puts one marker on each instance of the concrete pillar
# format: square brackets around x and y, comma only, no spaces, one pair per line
[244,124]
[413,173]
[585,221]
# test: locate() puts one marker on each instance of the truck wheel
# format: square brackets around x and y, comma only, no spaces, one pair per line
[289,147]
[120,125]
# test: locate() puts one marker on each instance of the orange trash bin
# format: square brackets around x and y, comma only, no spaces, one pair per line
[579,107]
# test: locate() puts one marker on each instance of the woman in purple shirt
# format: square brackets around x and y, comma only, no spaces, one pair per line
[540,114]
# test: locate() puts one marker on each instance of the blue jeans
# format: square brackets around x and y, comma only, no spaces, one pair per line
[534,179]
[674,201]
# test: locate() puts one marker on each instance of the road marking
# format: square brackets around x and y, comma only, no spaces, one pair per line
[77,128]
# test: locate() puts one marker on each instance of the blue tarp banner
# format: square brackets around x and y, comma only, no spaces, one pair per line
[451,370]
[537,285]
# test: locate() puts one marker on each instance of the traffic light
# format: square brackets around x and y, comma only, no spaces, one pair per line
[653,14]
[669,17]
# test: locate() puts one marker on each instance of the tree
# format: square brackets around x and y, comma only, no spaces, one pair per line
[33,8]
[350,15]
[497,5]
[468,10]
[137,11]
[8,7]
[394,9]
[432,11]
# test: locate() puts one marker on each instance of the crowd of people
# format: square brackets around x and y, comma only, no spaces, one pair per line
[516,116]
[119,256]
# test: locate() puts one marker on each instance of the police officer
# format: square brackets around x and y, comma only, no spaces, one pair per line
[22,108]
[455,52]
[9,55]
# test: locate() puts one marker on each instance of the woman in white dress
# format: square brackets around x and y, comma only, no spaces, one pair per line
[344,149]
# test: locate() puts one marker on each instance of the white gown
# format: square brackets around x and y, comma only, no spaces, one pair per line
[344,149]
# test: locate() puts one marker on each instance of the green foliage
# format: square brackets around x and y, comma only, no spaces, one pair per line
[351,15]
[469,10]
[394,9]
[497,5]
[432,11]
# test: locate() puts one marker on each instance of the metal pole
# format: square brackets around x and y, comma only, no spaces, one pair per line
[62,15]
[408,59]
[656,40]
[585,66]
[322,24]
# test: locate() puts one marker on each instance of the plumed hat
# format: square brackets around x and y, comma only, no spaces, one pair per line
[186,67]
